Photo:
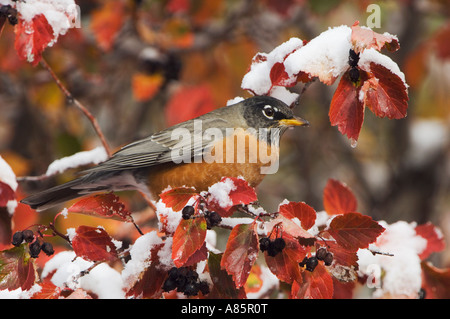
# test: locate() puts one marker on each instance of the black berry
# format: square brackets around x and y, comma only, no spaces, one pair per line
[191,289]
[187,212]
[311,263]
[17,238]
[303,262]
[212,219]
[328,259]
[169,284]
[47,248]
[264,243]
[353,73]
[191,276]
[173,273]
[203,287]
[321,253]
[215,218]
[35,249]
[28,235]
[353,58]
[279,244]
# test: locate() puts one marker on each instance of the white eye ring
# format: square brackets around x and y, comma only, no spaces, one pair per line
[269,111]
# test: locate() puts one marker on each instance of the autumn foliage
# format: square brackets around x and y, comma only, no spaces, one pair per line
[171,249]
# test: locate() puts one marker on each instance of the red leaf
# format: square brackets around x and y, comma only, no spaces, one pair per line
[338,198]
[342,256]
[288,226]
[366,39]
[285,265]
[305,213]
[17,269]
[435,241]
[106,23]
[223,284]
[317,284]
[188,238]
[48,291]
[177,198]
[279,76]
[385,93]
[178,6]
[150,280]
[102,205]
[145,86]
[436,282]
[32,38]
[6,194]
[188,103]
[241,252]
[229,192]
[93,244]
[354,230]
[346,109]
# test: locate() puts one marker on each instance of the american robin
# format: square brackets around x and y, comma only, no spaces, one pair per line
[195,160]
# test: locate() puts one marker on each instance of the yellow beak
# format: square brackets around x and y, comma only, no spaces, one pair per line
[296,121]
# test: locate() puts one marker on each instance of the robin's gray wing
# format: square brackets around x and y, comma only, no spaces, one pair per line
[176,144]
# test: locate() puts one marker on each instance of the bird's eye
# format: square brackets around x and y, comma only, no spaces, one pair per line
[268,111]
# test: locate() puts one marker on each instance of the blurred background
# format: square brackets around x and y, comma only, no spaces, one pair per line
[140,66]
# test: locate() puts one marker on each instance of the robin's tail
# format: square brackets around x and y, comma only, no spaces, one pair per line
[55,195]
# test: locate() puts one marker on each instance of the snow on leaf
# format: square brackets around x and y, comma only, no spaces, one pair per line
[148,283]
[268,69]
[324,57]
[338,198]
[177,198]
[32,37]
[93,244]
[305,213]
[364,38]
[48,291]
[6,194]
[434,238]
[229,192]
[17,269]
[241,252]
[187,239]
[102,205]
[354,230]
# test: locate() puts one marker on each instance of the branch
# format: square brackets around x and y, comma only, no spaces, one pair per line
[79,105]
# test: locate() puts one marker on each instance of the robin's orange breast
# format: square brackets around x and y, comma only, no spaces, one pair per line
[240,154]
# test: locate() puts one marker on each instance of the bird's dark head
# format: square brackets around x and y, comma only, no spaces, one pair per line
[269,112]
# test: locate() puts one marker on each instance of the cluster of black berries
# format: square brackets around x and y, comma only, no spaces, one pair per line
[273,247]
[310,263]
[212,218]
[35,246]
[10,13]
[185,280]
[353,60]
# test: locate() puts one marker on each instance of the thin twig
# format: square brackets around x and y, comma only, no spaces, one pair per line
[79,105]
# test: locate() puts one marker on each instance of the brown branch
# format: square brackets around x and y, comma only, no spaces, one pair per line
[79,105]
